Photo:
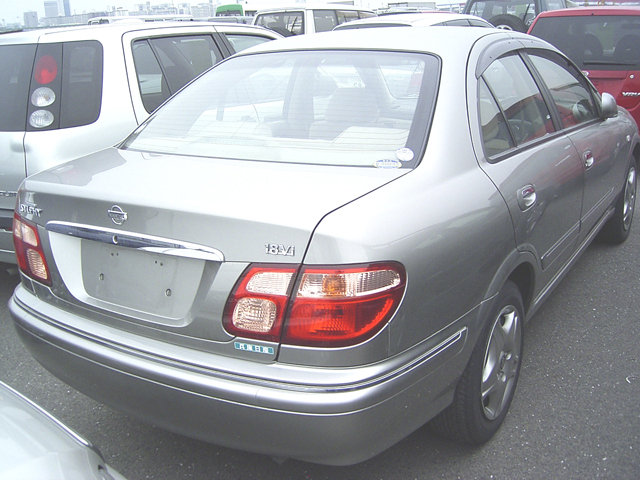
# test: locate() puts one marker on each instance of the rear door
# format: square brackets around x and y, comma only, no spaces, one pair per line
[536,169]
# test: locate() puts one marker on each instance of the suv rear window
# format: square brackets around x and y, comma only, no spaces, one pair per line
[16,63]
[594,42]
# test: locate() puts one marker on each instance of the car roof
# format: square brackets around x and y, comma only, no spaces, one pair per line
[423,19]
[616,10]
[440,40]
[99,32]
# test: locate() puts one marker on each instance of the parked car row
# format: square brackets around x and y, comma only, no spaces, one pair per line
[324,242]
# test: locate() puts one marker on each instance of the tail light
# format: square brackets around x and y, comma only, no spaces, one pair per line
[46,70]
[45,88]
[329,306]
[29,250]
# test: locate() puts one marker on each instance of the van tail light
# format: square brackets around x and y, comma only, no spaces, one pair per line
[29,251]
[331,306]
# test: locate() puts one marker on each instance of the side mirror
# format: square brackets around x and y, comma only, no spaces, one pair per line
[609,106]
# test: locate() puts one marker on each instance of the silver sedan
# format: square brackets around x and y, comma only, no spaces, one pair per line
[328,241]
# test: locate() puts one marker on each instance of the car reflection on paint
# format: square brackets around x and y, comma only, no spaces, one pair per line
[328,241]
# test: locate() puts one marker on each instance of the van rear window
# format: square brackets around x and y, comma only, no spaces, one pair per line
[16,62]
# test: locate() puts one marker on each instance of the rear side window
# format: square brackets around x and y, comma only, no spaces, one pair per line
[325,20]
[16,63]
[243,41]
[595,42]
[165,65]
[66,85]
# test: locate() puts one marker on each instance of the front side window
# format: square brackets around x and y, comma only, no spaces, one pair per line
[569,90]
[333,108]
[164,65]
[516,93]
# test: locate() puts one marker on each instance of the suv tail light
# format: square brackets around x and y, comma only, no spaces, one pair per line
[29,250]
[329,307]
[46,83]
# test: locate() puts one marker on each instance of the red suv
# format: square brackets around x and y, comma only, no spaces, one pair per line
[604,42]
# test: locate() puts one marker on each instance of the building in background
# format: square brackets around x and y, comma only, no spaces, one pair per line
[64,8]
[30,19]
[51,8]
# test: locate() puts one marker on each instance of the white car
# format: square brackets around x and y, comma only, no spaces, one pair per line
[308,18]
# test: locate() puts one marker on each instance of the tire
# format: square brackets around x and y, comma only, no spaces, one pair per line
[617,228]
[486,388]
[508,22]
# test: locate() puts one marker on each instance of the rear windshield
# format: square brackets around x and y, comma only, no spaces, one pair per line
[328,107]
[595,42]
[16,63]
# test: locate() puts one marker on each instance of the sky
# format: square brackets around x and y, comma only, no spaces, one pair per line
[11,10]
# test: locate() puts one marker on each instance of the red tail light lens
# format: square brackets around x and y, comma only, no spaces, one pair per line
[29,250]
[331,306]
[341,307]
[46,70]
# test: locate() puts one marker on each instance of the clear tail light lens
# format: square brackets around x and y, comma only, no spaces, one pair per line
[43,97]
[258,303]
[330,307]
[29,250]
[41,119]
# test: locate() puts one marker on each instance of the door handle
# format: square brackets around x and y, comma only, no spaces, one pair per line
[527,197]
[588,159]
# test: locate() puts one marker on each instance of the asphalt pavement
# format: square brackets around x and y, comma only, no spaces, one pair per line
[576,413]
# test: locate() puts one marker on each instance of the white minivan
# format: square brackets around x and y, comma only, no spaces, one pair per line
[308,18]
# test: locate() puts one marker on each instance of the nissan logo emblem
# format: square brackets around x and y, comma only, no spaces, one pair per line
[117,215]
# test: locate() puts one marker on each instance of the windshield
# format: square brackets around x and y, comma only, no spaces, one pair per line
[325,107]
[604,42]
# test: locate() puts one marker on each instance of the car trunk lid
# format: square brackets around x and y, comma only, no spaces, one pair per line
[158,242]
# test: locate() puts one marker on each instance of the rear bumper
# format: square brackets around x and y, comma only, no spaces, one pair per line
[337,425]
